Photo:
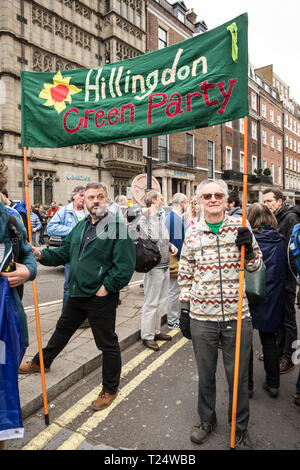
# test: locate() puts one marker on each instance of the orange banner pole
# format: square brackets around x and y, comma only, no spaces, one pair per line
[36,306]
[241,293]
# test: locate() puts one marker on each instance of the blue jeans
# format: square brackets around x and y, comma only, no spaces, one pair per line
[205,337]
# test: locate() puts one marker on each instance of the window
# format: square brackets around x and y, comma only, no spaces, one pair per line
[125,10]
[242,126]
[278,120]
[43,187]
[242,162]
[291,163]
[118,6]
[279,145]
[264,137]
[272,141]
[189,144]
[279,175]
[272,115]
[228,158]
[180,16]
[254,164]
[264,110]
[265,164]
[253,101]
[287,141]
[254,130]
[162,38]
[210,159]
[138,19]
[272,171]
[163,148]
[131,14]
[287,161]
[291,143]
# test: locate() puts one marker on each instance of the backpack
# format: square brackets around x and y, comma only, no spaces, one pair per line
[15,236]
[147,254]
[294,246]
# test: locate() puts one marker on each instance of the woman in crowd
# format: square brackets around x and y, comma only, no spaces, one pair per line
[267,315]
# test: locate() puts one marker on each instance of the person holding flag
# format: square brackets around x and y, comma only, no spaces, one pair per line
[209,281]
[17,265]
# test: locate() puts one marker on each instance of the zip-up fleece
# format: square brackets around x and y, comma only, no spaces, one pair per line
[209,270]
[108,259]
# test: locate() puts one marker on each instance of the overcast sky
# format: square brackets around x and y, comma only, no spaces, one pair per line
[273,32]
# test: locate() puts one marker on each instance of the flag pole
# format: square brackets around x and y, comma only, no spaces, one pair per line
[36,307]
[241,293]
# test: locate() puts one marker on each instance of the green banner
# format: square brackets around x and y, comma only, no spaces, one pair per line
[200,82]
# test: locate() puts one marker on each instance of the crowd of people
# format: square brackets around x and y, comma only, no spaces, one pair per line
[196,277]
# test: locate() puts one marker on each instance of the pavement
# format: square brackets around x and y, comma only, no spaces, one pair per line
[80,356]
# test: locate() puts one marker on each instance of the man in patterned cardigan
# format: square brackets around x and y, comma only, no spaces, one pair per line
[209,281]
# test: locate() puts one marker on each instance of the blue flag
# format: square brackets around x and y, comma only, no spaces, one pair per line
[12,350]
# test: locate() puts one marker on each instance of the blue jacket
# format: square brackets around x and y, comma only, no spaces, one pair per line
[25,257]
[268,315]
[62,222]
[175,226]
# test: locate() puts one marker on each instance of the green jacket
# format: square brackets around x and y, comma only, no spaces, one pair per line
[108,259]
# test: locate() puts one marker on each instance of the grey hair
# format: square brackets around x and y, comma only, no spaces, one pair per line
[76,190]
[178,198]
[149,196]
[95,185]
[219,182]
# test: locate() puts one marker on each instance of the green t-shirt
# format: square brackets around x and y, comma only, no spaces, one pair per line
[215,227]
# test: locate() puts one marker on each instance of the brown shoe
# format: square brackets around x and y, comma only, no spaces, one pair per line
[104,400]
[286,366]
[31,367]
[163,337]
[151,344]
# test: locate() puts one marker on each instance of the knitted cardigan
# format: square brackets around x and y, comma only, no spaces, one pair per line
[209,270]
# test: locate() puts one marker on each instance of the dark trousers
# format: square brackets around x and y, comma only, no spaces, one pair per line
[101,313]
[271,360]
[288,333]
[205,337]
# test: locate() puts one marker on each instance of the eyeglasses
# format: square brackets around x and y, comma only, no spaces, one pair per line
[208,196]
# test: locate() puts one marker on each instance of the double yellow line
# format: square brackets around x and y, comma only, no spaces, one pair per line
[81,432]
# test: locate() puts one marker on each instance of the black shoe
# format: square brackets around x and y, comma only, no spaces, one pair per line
[250,393]
[273,392]
[243,441]
[201,432]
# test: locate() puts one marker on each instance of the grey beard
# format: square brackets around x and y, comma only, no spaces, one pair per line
[101,210]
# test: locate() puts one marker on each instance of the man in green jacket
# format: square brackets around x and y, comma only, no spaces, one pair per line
[102,260]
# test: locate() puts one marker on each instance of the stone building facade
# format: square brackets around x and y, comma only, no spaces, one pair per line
[52,35]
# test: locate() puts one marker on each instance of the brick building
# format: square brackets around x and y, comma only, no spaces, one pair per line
[273,139]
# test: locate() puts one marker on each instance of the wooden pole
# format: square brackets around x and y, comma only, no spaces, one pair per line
[241,293]
[36,306]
